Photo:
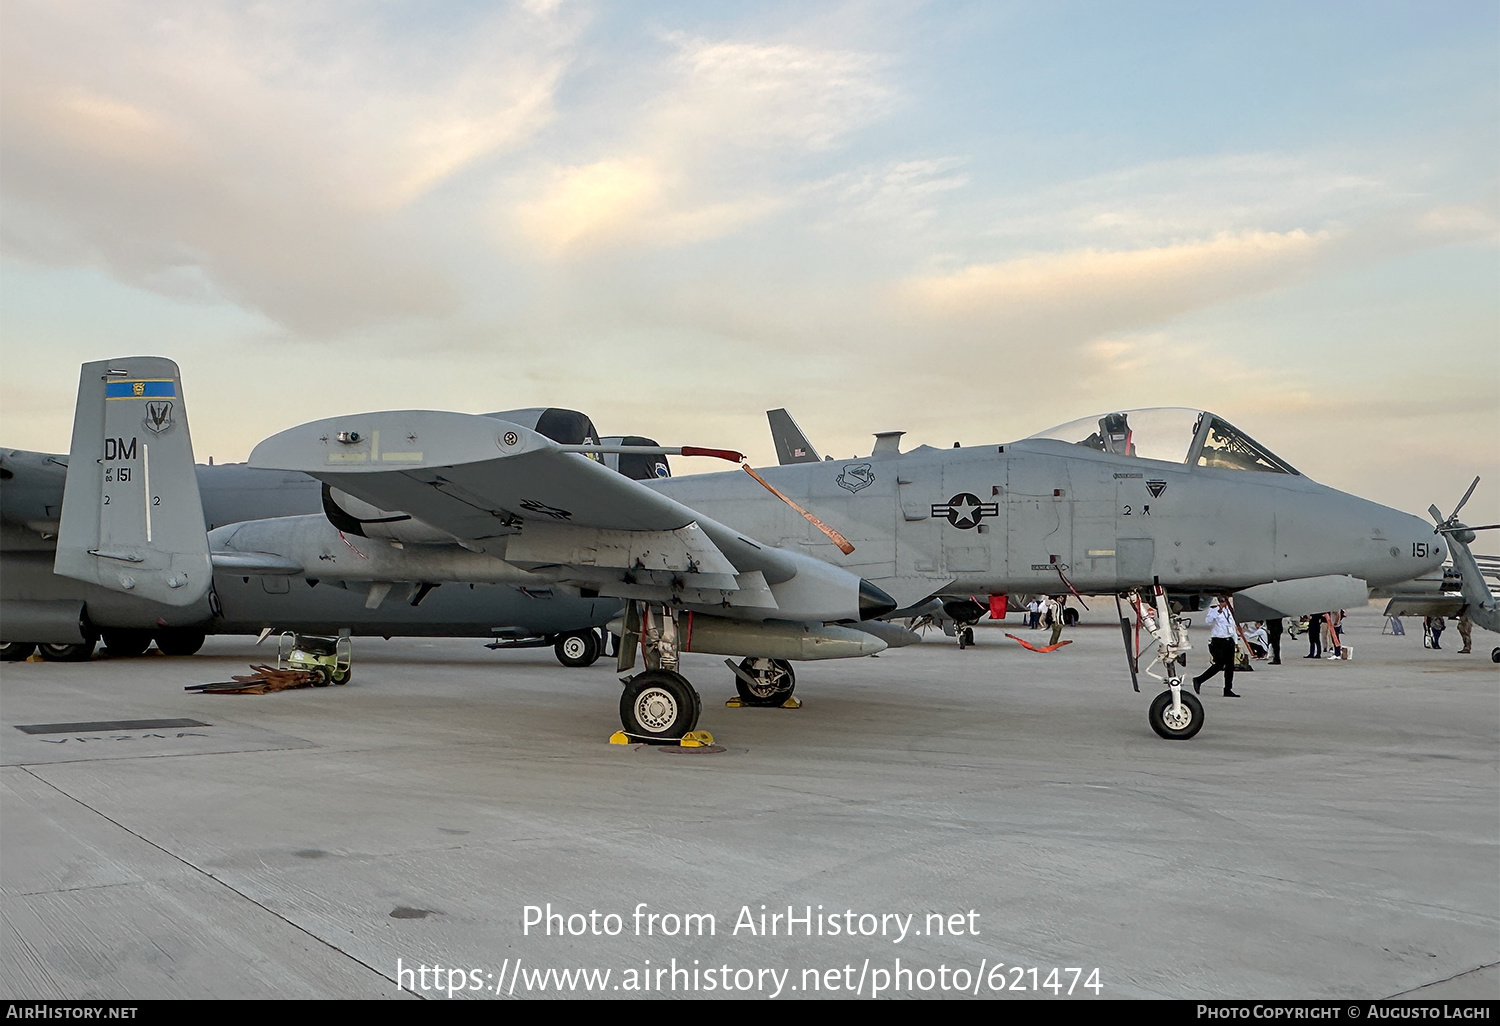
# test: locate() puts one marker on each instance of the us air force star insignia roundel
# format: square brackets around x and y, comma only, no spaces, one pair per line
[964,510]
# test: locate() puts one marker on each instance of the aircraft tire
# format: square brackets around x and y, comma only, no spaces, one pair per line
[778,686]
[659,707]
[16,651]
[123,642]
[180,641]
[966,638]
[578,648]
[1070,618]
[1160,707]
[1495,655]
[67,653]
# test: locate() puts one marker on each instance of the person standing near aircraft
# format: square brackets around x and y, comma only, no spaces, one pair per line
[1055,606]
[1465,630]
[1273,634]
[1314,636]
[1336,633]
[1221,632]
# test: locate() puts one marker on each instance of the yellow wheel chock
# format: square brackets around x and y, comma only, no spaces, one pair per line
[692,739]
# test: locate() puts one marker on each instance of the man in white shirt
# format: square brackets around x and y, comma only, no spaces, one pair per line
[1221,631]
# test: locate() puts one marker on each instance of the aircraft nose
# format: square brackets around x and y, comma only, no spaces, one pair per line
[1417,549]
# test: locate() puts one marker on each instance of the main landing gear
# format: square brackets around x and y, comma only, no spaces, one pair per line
[763,682]
[659,705]
[1174,714]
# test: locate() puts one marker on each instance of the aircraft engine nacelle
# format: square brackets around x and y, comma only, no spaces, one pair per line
[357,517]
[636,466]
[57,622]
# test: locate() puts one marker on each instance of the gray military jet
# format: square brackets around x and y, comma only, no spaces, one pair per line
[746,563]
[288,580]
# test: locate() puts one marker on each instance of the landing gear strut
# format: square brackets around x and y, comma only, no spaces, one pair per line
[658,705]
[1173,715]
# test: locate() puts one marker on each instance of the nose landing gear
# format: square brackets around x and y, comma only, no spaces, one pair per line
[1173,715]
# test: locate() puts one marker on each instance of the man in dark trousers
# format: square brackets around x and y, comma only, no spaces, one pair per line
[1221,631]
[1273,635]
[1314,636]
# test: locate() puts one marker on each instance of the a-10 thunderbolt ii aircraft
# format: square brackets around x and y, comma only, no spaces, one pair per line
[744,563]
[299,520]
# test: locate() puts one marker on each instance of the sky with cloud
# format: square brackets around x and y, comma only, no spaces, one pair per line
[970,221]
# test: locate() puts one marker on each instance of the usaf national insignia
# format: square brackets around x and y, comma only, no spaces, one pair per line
[855,477]
[1156,488]
[541,507]
[158,416]
[964,510]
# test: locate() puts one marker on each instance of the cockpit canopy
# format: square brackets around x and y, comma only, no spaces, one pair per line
[1174,435]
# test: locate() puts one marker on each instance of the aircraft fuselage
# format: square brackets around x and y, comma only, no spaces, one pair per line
[1023,516]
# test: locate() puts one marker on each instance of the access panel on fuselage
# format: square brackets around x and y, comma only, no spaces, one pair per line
[1039,521]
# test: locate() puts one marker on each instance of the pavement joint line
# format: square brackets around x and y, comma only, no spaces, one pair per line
[206,874]
[1446,979]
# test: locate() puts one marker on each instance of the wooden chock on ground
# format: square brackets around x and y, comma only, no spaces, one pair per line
[265,679]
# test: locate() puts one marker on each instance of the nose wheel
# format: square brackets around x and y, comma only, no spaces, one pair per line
[1176,720]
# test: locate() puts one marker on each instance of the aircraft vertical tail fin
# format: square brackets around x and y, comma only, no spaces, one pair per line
[792,445]
[132,519]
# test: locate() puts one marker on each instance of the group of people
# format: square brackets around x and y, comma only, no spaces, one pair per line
[1435,625]
[1325,631]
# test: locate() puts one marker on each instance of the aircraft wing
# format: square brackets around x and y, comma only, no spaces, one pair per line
[514,494]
